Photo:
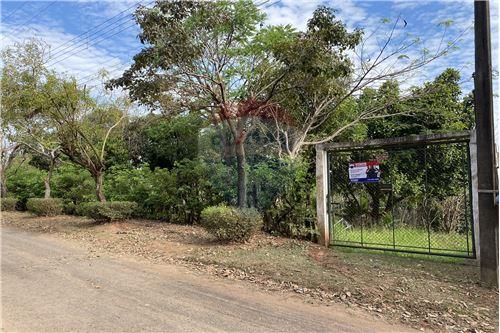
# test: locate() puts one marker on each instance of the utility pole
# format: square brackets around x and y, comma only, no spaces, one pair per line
[483,101]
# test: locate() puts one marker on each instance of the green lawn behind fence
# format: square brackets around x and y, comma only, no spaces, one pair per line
[403,238]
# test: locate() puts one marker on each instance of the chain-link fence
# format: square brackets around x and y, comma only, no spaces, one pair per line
[411,198]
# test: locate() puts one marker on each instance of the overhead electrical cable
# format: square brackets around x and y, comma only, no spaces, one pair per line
[95,43]
[23,28]
[14,11]
[82,35]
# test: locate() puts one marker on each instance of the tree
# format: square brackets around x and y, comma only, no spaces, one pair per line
[435,106]
[162,141]
[83,125]
[334,67]
[22,73]
[205,56]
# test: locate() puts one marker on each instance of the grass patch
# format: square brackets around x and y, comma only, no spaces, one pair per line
[404,238]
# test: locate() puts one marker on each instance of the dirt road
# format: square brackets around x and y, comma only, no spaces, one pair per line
[51,285]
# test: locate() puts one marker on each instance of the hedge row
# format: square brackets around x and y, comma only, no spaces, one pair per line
[8,204]
[231,223]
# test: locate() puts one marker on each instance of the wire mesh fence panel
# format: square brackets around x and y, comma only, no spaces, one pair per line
[409,198]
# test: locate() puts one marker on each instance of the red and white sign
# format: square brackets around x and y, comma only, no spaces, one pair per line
[364,172]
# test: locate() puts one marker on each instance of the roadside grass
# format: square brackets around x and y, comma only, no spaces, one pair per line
[404,238]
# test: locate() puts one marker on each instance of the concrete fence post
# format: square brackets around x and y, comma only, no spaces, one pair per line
[322,223]
[473,188]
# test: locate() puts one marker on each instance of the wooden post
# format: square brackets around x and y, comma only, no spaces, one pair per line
[322,223]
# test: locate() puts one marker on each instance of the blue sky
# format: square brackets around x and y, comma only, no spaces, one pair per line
[112,45]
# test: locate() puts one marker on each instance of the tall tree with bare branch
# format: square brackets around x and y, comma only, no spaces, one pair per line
[328,68]
[83,125]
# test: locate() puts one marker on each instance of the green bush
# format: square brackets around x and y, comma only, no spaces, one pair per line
[73,184]
[107,211]
[230,223]
[285,193]
[45,206]
[8,204]
[178,195]
[69,208]
[24,181]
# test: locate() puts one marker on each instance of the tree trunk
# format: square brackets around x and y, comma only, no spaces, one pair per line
[3,186]
[99,179]
[374,192]
[48,179]
[242,176]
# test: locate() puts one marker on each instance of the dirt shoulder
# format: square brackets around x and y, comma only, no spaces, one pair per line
[419,293]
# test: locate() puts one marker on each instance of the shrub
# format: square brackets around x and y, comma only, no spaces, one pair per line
[108,211]
[69,208]
[285,193]
[73,183]
[24,181]
[8,204]
[178,195]
[230,223]
[45,206]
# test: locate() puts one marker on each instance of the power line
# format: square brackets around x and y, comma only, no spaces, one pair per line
[84,42]
[78,50]
[31,19]
[111,69]
[96,74]
[272,4]
[14,11]
[79,45]
[100,24]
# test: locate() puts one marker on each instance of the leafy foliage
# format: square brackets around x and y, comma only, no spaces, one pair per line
[8,204]
[162,141]
[73,184]
[108,211]
[25,181]
[230,223]
[286,196]
[45,206]
[177,195]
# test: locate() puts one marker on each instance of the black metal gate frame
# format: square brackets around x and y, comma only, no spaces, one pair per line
[413,141]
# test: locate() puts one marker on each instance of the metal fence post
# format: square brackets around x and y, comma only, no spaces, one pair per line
[322,223]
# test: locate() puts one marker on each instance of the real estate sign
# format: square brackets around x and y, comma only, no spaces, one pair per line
[364,172]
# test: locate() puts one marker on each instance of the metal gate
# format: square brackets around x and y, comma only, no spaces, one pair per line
[403,194]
